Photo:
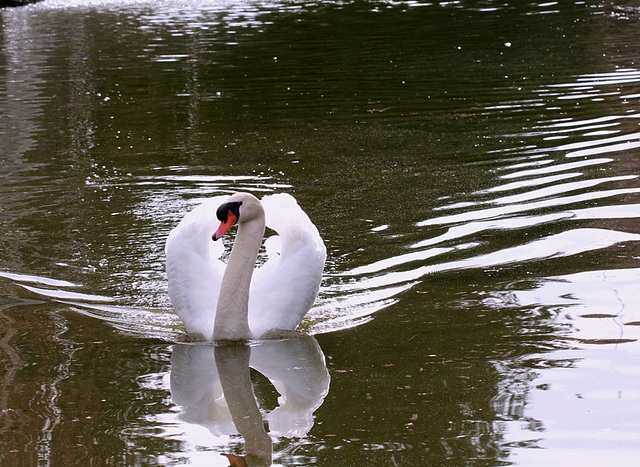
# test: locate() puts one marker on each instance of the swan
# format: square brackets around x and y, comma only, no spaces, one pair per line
[239,301]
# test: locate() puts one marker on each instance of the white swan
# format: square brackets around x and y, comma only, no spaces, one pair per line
[234,302]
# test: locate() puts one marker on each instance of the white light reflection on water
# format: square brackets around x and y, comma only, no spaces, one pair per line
[179,18]
[550,191]
[564,244]
[578,403]
[595,399]
[596,306]
[521,208]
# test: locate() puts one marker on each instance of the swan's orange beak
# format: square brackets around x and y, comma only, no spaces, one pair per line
[224,226]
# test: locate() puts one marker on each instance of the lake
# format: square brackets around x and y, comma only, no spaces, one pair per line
[472,167]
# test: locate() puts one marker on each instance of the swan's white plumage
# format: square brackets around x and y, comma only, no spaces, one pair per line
[282,290]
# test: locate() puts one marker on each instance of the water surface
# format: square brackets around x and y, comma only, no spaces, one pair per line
[472,166]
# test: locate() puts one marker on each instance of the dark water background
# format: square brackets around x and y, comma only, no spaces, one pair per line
[472,166]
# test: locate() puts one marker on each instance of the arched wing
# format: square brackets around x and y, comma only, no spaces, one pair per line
[194,268]
[296,367]
[285,287]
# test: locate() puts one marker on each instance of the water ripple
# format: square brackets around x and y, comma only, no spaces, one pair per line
[520,208]
[597,306]
[556,168]
[564,244]
[553,190]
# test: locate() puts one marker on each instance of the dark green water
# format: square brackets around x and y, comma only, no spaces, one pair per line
[471,165]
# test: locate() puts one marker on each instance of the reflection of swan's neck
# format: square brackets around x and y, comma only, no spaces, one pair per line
[231,320]
[232,362]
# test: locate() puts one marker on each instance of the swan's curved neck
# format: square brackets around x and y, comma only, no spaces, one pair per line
[231,322]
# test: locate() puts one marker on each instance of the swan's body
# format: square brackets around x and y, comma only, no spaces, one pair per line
[238,301]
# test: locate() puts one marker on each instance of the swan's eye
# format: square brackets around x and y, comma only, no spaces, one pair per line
[223,211]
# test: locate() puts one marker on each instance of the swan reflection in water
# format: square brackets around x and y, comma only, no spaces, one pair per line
[212,384]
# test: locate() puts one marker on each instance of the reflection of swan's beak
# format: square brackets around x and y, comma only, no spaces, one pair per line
[235,461]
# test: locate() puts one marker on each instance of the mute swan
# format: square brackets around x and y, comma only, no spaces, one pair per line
[236,302]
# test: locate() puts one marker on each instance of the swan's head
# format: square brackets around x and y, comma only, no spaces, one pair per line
[241,207]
